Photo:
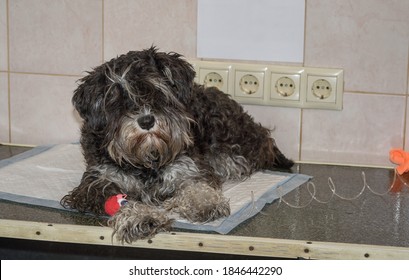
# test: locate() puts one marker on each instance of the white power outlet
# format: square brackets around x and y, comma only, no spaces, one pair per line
[285,86]
[213,74]
[249,84]
[324,89]
[214,79]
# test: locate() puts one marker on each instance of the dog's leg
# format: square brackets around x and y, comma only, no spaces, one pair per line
[138,221]
[134,220]
[91,193]
[199,202]
[198,196]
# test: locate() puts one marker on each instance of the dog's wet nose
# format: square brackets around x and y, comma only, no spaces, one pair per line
[146,122]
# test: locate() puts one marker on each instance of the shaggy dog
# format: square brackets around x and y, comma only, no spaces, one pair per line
[167,143]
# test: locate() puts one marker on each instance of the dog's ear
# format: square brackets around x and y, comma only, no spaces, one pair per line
[183,76]
[88,99]
[183,71]
[178,71]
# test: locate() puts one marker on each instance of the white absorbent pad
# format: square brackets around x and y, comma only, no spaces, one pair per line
[43,175]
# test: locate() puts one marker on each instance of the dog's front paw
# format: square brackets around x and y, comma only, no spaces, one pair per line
[136,221]
[200,203]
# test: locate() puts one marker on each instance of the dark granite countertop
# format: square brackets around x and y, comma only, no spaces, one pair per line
[369,219]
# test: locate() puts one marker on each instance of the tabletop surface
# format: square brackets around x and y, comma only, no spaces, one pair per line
[355,214]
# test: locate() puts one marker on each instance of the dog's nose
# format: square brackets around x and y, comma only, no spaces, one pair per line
[146,122]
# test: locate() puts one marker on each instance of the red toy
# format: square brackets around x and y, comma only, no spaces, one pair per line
[113,203]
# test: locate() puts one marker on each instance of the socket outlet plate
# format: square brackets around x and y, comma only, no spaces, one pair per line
[274,85]
[285,86]
[214,79]
[324,89]
[249,84]
[213,74]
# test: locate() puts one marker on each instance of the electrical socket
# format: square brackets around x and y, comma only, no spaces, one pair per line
[213,74]
[285,85]
[249,84]
[214,79]
[324,89]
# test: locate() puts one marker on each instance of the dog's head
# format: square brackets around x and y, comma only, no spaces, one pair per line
[136,105]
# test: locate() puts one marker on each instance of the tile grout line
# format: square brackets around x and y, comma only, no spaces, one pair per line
[303,64]
[44,74]
[103,32]
[300,137]
[405,123]
[8,69]
[406,105]
[305,31]
[373,93]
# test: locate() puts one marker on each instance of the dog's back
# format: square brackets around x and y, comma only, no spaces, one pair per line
[221,125]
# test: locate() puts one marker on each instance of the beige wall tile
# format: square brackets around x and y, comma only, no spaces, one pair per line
[135,25]
[55,36]
[368,38]
[285,126]
[41,110]
[4,111]
[3,35]
[363,133]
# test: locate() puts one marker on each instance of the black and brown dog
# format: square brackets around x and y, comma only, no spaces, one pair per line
[167,143]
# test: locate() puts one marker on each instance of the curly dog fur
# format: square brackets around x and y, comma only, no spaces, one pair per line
[149,131]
